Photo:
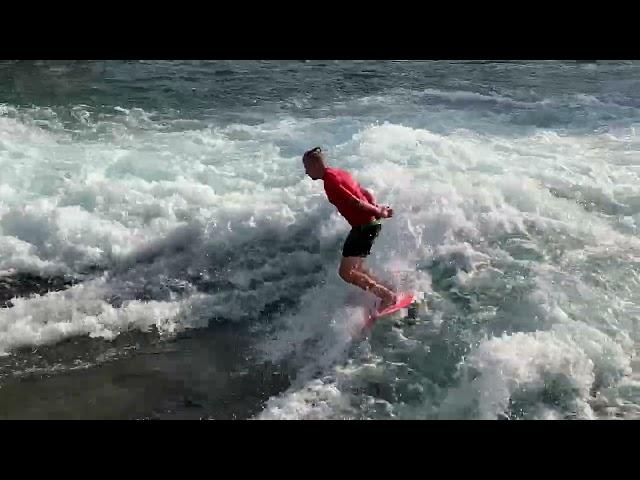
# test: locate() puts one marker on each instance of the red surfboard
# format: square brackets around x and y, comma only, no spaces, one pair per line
[404,300]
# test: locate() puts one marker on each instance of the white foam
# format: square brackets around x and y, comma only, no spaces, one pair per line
[455,195]
[81,310]
[563,364]
[515,231]
[315,401]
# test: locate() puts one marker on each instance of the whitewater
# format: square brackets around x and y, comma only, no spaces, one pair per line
[163,205]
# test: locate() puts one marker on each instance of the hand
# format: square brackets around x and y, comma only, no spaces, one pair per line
[386,212]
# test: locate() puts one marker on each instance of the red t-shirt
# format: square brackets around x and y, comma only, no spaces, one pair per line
[340,187]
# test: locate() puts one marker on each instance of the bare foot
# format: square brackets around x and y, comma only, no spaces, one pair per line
[387,302]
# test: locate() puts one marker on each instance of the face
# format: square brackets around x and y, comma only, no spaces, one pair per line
[313,168]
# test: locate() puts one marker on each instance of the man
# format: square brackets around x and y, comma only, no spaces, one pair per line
[359,208]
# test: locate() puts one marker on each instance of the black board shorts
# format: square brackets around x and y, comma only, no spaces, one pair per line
[360,240]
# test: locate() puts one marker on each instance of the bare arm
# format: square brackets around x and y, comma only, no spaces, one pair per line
[369,196]
[369,206]
[384,212]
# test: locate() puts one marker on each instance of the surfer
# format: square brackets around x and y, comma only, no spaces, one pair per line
[358,206]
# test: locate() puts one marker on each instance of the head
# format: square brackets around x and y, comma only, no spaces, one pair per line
[314,165]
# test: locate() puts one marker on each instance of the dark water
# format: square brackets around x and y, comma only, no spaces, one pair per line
[253,90]
[205,374]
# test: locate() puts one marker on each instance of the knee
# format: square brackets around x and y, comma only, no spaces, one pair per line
[346,273]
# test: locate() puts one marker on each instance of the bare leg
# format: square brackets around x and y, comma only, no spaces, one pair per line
[375,278]
[351,273]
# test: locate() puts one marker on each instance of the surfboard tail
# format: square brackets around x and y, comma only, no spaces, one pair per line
[404,300]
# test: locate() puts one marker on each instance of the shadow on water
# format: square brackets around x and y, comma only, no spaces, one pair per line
[202,374]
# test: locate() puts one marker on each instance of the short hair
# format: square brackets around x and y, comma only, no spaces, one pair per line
[313,154]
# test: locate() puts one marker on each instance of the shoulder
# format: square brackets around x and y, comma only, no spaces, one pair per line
[337,174]
[331,175]
[332,181]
